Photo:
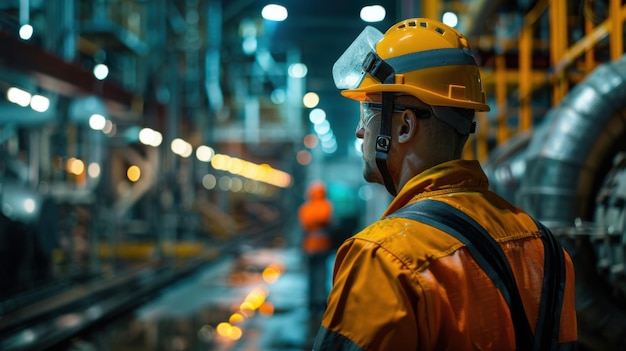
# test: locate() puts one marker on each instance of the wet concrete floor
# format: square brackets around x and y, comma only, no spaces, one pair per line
[253,301]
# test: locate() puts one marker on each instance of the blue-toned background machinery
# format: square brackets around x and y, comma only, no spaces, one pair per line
[571,174]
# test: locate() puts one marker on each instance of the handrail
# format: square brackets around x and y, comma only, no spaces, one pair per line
[562,56]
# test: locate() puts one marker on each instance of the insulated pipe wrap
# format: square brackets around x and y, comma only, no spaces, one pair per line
[569,147]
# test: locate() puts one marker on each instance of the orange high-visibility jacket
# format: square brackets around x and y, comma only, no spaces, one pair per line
[404,285]
[315,217]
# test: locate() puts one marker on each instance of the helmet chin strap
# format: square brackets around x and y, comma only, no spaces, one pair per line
[383,142]
[384,73]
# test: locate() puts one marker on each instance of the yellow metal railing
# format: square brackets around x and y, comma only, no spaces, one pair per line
[528,80]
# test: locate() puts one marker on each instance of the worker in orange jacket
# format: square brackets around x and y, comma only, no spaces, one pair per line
[315,219]
[450,265]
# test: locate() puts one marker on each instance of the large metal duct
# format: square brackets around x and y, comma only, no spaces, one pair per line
[572,150]
[558,175]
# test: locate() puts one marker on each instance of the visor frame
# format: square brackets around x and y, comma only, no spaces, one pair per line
[348,71]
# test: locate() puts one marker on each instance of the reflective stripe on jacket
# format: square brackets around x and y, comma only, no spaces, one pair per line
[403,285]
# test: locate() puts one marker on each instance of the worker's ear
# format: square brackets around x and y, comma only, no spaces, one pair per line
[407,126]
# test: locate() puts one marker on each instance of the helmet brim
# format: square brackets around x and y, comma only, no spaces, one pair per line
[428,97]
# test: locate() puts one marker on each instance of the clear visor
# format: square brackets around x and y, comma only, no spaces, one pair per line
[348,70]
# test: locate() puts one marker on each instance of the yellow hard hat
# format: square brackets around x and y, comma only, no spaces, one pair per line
[423,57]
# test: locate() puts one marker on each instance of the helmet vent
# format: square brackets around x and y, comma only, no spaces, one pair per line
[423,24]
[439,30]
[410,24]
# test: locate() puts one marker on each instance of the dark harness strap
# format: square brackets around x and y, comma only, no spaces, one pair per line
[547,328]
[489,255]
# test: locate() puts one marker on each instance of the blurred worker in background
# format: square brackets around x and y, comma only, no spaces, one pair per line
[315,219]
[450,265]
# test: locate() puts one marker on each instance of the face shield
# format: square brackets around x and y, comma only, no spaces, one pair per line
[359,59]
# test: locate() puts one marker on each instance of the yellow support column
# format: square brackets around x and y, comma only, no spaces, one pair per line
[558,45]
[431,9]
[501,104]
[526,74]
[525,79]
[616,36]
[593,36]
[482,149]
[590,60]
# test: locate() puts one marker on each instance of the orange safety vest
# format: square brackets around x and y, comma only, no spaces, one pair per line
[405,285]
[315,216]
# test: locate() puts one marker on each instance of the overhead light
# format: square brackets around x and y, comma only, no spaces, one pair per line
[148,136]
[247,28]
[317,116]
[450,18]
[205,153]
[278,96]
[322,128]
[328,135]
[181,147]
[209,181]
[310,141]
[23,98]
[329,146]
[297,70]
[133,173]
[26,31]
[30,205]
[310,100]
[93,170]
[274,12]
[75,166]
[97,122]
[101,71]
[18,96]
[249,45]
[109,128]
[374,13]
[39,103]
[304,157]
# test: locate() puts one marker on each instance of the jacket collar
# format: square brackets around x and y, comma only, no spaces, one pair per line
[447,177]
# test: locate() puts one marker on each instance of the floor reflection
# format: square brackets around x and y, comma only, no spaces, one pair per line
[255,301]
